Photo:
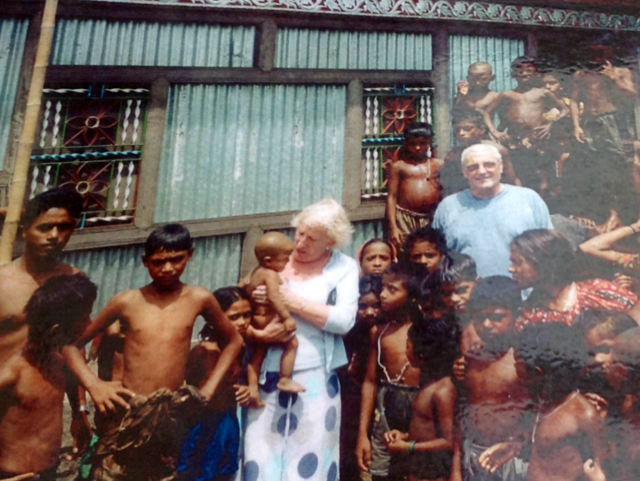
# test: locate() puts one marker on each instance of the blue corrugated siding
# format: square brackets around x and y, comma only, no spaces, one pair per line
[325,49]
[235,150]
[98,42]
[215,264]
[13,35]
[499,52]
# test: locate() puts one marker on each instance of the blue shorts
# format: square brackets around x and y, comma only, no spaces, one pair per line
[210,449]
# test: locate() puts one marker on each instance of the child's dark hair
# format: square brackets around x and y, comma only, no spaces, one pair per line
[467,115]
[375,240]
[456,267]
[371,284]
[556,349]
[524,60]
[496,291]
[403,271]
[613,323]
[418,129]
[426,234]
[59,198]
[63,301]
[226,297]
[168,238]
[436,343]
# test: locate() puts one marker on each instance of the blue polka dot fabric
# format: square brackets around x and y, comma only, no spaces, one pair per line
[296,436]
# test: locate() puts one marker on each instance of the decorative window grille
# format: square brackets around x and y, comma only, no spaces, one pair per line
[91,140]
[387,110]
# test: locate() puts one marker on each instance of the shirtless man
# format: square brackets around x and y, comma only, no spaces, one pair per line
[599,87]
[496,398]
[414,189]
[567,434]
[526,125]
[158,320]
[474,93]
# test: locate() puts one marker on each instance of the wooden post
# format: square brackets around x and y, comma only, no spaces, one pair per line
[21,169]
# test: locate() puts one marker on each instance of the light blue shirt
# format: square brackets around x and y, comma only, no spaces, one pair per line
[484,228]
[318,347]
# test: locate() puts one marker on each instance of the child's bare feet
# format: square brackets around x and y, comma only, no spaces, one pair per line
[286,384]
[254,398]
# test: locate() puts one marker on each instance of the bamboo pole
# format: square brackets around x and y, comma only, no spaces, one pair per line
[34,98]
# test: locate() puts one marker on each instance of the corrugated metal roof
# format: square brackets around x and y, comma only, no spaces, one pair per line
[499,52]
[99,42]
[13,35]
[215,264]
[235,150]
[327,49]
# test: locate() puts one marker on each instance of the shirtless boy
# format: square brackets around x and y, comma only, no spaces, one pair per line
[496,398]
[414,190]
[526,126]
[567,434]
[158,320]
[474,93]
[32,381]
[427,448]
[272,251]
[391,383]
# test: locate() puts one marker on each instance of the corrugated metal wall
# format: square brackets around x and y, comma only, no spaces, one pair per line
[13,35]
[499,52]
[98,42]
[325,49]
[215,264]
[235,150]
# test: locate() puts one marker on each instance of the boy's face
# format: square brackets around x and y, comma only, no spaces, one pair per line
[461,294]
[239,313]
[425,253]
[394,293]
[613,370]
[467,132]
[525,73]
[492,321]
[49,233]
[480,77]
[278,261]
[166,267]
[522,271]
[369,309]
[551,83]
[376,258]
[417,148]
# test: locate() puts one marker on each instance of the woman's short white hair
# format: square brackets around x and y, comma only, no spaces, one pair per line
[481,148]
[329,214]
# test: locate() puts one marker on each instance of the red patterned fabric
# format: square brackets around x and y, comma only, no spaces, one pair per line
[592,294]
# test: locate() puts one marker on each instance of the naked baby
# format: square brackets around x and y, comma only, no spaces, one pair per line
[272,251]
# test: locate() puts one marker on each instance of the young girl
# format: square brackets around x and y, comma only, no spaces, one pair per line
[211,449]
[375,255]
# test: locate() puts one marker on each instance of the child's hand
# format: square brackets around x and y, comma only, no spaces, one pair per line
[623,281]
[593,471]
[542,132]
[608,71]
[290,325]
[396,238]
[579,134]
[501,137]
[598,402]
[396,442]
[363,453]
[106,395]
[394,434]
[81,433]
[463,88]
[243,395]
[459,368]
[498,454]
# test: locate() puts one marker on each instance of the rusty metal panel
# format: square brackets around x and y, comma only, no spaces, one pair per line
[234,150]
[101,42]
[13,35]
[327,49]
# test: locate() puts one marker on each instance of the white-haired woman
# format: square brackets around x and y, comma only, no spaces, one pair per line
[297,436]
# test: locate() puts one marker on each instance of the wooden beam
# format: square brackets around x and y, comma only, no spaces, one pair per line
[266,46]
[152,153]
[441,79]
[354,129]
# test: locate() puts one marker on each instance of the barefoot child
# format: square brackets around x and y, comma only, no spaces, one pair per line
[211,448]
[414,189]
[32,382]
[425,450]
[272,250]
[391,383]
[158,320]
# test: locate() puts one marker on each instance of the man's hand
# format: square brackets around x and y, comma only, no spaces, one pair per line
[243,395]
[462,87]
[579,134]
[459,368]
[498,454]
[290,325]
[363,453]
[542,132]
[106,395]
[81,433]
